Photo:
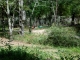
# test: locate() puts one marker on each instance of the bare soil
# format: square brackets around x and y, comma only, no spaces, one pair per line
[42,31]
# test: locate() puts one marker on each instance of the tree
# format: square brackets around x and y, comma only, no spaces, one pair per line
[9,20]
[69,8]
[20,17]
[75,10]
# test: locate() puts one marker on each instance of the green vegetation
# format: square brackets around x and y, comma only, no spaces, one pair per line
[22,53]
[62,43]
[39,53]
[40,29]
[34,38]
[70,57]
[63,36]
[57,36]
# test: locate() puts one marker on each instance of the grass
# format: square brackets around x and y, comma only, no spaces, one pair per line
[31,38]
[38,53]
[69,54]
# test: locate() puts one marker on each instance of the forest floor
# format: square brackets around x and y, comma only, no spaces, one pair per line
[45,48]
[3,41]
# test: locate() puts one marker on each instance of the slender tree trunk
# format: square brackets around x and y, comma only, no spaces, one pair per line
[30,25]
[12,23]
[9,21]
[20,17]
[36,2]
[54,11]
[39,21]
[72,22]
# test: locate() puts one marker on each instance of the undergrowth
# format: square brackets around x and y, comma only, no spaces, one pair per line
[31,38]
[63,36]
[70,57]
[23,53]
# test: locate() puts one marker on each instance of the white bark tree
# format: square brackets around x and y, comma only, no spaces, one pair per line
[21,17]
[10,21]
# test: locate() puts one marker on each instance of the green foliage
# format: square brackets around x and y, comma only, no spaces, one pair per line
[70,57]
[31,38]
[16,54]
[23,53]
[77,27]
[41,54]
[71,53]
[63,36]
[64,8]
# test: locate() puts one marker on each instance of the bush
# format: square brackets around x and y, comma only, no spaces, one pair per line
[63,36]
[23,53]
[16,54]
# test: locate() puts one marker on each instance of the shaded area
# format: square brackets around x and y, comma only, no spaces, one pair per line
[70,57]
[4,33]
[77,27]
[17,54]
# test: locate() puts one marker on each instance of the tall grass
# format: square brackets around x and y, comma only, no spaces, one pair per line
[31,38]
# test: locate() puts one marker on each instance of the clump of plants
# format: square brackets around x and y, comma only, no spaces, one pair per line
[23,53]
[16,54]
[63,36]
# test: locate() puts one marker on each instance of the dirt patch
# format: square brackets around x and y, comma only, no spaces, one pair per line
[4,41]
[42,31]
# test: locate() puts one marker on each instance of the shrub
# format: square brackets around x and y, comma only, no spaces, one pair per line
[63,36]
[23,53]
[16,54]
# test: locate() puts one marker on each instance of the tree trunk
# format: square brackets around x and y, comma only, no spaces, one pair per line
[20,17]
[54,11]
[72,22]
[31,16]
[9,21]
[30,25]
[12,22]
